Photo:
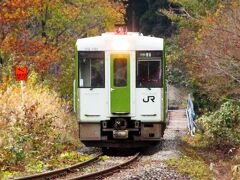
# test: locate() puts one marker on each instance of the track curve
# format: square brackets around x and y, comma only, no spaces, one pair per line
[108,171]
[50,174]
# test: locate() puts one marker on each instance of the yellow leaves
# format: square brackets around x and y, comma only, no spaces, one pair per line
[104,157]
[5,83]
[219,10]
[236,171]
[221,6]
[235,4]
[14,10]
[199,36]
[217,13]
[93,32]
[8,41]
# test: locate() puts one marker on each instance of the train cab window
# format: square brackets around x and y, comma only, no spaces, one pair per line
[148,71]
[120,72]
[91,71]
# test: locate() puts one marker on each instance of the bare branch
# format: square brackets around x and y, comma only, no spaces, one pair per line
[226,72]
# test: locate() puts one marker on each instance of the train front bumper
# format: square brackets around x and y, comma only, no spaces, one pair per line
[93,134]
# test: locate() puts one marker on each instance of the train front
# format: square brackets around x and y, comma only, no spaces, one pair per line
[120,90]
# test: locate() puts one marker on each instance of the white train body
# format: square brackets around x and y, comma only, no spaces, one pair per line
[120,90]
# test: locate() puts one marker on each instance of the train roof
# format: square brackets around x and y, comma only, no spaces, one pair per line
[113,42]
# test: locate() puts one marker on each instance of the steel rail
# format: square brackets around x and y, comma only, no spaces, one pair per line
[57,172]
[111,170]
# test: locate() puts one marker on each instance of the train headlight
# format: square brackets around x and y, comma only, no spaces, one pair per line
[120,124]
[120,44]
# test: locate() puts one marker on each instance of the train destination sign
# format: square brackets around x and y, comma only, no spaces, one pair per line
[21,73]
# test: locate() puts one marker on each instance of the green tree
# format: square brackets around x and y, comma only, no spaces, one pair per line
[134,11]
[154,22]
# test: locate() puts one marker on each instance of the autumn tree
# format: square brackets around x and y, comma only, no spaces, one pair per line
[199,38]
[68,21]
[217,56]
[42,33]
[17,45]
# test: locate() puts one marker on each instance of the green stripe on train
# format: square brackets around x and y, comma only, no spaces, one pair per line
[76,82]
[165,108]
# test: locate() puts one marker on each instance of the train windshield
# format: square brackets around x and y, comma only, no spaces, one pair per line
[149,71]
[91,70]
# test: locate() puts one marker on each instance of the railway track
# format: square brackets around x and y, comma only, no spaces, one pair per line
[107,171]
[62,171]
[76,171]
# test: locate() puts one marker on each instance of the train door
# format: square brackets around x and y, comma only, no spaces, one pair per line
[120,83]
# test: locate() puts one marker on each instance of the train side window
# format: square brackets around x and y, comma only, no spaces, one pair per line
[148,73]
[85,77]
[92,72]
[120,72]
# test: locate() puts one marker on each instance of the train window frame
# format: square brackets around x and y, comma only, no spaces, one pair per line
[115,77]
[150,56]
[91,55]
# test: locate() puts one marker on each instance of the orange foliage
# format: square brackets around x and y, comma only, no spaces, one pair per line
[29,50]
[16,10]
[34,32]
[16,39]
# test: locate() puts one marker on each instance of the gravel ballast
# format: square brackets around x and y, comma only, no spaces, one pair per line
[151,166]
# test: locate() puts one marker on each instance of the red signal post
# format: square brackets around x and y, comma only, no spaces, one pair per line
[21,73]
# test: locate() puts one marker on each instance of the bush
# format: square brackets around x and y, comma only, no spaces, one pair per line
[35,125]
[196,169]
[222,127]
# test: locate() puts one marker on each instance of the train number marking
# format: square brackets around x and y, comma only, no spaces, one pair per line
[152,98]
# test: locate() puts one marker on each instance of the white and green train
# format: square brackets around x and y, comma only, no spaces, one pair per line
[120,90]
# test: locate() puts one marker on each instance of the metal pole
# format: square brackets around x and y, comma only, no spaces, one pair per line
[22,93]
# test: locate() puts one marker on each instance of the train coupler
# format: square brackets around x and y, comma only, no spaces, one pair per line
[120,134]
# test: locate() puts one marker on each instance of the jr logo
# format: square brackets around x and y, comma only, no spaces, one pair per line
[152,98]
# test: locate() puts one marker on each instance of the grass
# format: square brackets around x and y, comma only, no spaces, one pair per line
[191,163]
[195,169]
[37,131]
[200,160]
[57,161]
